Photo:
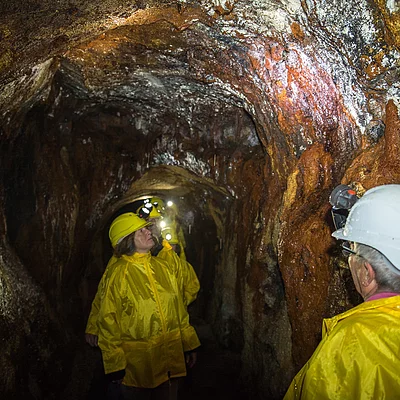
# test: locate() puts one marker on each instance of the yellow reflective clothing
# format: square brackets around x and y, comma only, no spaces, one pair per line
[182,243]
[143,326]
[191,284]
[182,254]
[188,282]
[91,326]
[358,357]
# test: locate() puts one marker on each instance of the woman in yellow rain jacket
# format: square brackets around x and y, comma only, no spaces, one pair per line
[143,326]
[188,283]
[359,355]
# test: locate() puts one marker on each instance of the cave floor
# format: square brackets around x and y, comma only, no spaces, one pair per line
[214,377]
[216,374]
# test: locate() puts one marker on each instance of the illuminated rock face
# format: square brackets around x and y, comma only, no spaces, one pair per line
[246,113]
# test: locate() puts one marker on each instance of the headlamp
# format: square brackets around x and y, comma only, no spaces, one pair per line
[342,198]
[145,211]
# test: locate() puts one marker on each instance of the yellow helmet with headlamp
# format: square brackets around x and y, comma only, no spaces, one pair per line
[158,204]
[124,225]
[168,233]
[148,211]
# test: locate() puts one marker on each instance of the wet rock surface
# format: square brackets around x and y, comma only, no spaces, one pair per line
[247,114]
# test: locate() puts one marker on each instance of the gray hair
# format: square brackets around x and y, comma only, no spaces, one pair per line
[387,275]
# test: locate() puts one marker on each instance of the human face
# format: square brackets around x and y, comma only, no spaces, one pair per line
[143,240]
[155,227]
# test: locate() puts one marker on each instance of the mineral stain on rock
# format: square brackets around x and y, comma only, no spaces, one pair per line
[247,115]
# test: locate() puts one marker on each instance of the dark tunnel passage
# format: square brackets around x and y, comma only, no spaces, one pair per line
[104,157]
[245,114]
[202,224]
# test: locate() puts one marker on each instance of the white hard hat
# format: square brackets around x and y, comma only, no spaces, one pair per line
[374,220]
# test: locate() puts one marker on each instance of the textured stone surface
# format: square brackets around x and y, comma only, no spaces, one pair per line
[247,113]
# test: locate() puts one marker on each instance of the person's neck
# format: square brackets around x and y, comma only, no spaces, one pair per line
[142,251]
[370,290]
[368,295]
[381,293]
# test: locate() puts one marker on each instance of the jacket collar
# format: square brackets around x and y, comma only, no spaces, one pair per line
[137,257]
[330,323]
[166,244]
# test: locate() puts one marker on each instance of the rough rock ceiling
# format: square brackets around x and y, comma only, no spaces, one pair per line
[297,54]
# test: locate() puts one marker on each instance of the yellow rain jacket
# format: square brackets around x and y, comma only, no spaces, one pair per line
[358,357]
[188,282]
[182,243]
[143,326]
[91,326]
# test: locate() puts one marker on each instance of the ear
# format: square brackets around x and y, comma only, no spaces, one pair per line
[368,274]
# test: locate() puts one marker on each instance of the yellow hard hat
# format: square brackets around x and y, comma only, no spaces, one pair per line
[171,208]
[158,204]
[148,211]
[170,235]
[124,225]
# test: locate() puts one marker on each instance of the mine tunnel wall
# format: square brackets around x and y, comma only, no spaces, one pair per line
[60,183]
[250,314]
[274,267]
[55,192]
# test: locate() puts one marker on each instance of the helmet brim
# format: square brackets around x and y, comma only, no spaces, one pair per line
[145,223]
[339,234]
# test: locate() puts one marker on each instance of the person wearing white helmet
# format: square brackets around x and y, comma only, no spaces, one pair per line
[359,355]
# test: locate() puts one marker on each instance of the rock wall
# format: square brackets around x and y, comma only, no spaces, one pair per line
[250,113]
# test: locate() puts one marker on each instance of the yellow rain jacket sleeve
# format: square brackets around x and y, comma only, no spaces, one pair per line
[174,264]
[188,282]
[182,243]
[142,322]
[191,284]
[358,357]
[182,255]
[91,326]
